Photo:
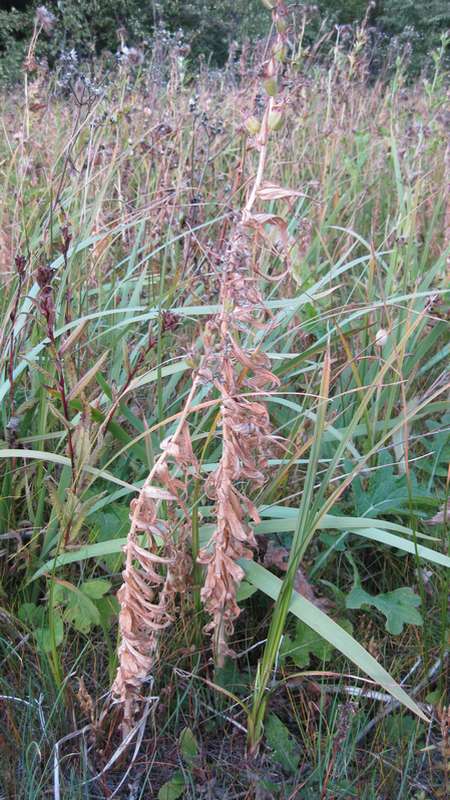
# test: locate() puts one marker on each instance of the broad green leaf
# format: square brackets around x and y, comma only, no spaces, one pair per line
[188,745]
[400,728]
[245,590]
[80,610]
[385,491]
[319,621]
[33,615]
[285,749]
[174,788]
[304,644]
[108,608]
[95,588]
[399,607]
[232,679]
[47,637]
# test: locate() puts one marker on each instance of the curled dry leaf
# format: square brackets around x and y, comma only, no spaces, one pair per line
[246,440]
[157,569]
[442,516]
[278,557]
[280,246]
[270,191]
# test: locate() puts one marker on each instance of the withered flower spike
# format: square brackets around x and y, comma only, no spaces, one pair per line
[152,580]
[246,437]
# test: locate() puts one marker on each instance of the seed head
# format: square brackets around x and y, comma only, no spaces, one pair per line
[45,19]
[276,119]
[44,276]
[252,125]
[21,264]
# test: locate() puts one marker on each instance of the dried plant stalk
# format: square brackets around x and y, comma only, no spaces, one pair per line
[246,438]
[246,430]
[151,581]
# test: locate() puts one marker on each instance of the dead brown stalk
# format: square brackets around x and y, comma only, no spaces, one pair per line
[153,577]
[147,596]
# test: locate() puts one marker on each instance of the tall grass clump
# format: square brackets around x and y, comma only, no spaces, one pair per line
[224,299]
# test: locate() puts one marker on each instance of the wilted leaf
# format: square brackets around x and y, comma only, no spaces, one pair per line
[278,557]
[399,607]
[442,516]
[88,376]
[74,336]
[158,494]
[270,191]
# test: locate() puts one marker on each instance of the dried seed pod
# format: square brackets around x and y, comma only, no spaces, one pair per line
[275,120]
[271,86]
[252,125]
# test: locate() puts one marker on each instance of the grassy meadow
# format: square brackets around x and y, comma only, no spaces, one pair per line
[272,293]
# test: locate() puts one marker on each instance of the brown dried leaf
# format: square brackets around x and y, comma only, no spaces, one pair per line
[270,191]
[276,556]
[442,516]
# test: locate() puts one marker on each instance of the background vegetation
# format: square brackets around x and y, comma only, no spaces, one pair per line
[211,25]
[119,190]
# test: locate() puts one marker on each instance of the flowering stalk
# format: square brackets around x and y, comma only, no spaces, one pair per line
[151,580]
[245,424]
[147,595]
[246,438]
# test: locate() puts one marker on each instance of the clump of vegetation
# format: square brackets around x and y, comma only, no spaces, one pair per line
[216,30]
[227,301]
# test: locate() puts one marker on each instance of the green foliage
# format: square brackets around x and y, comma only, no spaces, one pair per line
[188,745]
[46,636]
[419,24]
[386,492]
[211,25]
[401,728]
[344,13]
[285,748]
[412,27]
[305,644]
[79,607]
[95,26]
[399,607]
[173,788]
[98,26]
[177,784]
[126,193]
[15,28]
